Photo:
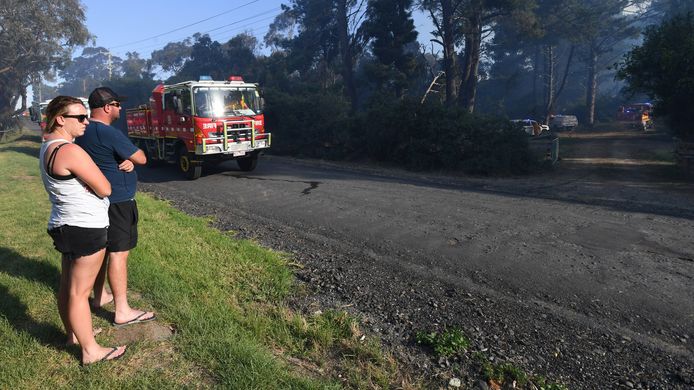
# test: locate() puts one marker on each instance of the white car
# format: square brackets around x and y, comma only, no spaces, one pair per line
[532,127]
[567,122]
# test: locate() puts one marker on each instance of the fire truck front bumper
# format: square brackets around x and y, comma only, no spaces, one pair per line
[233,148]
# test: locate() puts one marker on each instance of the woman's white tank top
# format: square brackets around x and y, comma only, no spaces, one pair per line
[73,203]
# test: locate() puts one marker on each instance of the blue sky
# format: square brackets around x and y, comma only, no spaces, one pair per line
[147,25]
[143,26]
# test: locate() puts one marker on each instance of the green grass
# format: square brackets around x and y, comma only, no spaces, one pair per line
[224,297]
[444,344]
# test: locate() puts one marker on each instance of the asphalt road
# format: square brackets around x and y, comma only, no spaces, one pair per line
[602,246]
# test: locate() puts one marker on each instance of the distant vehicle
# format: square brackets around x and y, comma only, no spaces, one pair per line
[531,127]
[37,111]
[636,115]
[563,122]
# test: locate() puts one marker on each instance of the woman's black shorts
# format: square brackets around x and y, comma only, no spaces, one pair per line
[75,241]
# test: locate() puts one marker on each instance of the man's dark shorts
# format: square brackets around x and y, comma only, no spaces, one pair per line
[74,241]
[122,230]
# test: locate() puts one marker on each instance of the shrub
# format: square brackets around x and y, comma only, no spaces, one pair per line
[407,133]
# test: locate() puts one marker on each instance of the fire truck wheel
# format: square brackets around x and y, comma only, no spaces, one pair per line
[190,170]
[248,164]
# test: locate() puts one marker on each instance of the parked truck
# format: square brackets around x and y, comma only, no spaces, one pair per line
[197,123]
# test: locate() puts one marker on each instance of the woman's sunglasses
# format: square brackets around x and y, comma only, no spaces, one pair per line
[80,118]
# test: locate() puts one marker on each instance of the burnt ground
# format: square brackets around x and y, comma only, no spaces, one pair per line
[581,274]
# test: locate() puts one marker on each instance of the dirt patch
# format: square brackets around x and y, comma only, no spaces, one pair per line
[150,331]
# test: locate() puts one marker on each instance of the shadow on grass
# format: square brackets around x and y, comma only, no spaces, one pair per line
[34,270]
[16,311]
[28,150]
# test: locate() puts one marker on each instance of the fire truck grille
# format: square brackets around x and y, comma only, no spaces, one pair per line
[239,135]
[238,132]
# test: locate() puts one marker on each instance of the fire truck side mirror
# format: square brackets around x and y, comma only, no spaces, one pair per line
[262,105]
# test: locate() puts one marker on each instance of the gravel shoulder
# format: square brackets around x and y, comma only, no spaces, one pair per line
[582,274]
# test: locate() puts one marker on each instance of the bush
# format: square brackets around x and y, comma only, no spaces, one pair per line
[407,133]
[662,68]
[309,125]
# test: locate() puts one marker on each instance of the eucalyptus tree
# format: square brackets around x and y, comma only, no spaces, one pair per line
[446,33]
[390,29]
[239,56]
[134,67]
[173,56]
[87,71]
[666,9]
[468,23]
[604,24]
[205,57]
[548,43]
[35,37]
[322,39]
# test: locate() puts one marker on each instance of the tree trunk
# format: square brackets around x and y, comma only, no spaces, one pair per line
[346,54]
[24,99]
[536,77]
[592,90]
[569,60]
[473,44]
[549,83]
[449,51]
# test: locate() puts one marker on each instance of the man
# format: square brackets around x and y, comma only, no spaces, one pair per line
[116,156]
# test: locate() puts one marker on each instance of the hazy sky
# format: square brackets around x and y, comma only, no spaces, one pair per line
[147,25]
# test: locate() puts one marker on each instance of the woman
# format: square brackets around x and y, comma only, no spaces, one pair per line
[78,223]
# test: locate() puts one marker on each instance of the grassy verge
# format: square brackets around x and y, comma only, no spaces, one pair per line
[224,297]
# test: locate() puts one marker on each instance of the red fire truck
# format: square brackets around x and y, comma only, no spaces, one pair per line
[197,122]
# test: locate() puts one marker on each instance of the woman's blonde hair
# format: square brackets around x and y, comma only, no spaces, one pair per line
[58,106]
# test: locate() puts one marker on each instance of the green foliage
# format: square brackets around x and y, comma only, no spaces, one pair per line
[406,133]
[542,384]
[86,72]
[212,58]
[504,373]
[391,27]
[445,344]
[662,68]
[35,37]
[172,57]
[307,124]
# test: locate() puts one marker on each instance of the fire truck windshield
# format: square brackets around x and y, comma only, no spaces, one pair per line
[219,102]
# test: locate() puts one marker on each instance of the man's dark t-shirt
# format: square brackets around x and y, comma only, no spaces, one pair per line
[109,147]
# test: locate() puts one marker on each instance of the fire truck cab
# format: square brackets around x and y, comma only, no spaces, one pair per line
[197,122]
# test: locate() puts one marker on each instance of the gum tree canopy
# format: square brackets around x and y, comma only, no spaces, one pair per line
[663,68]
[36,36]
